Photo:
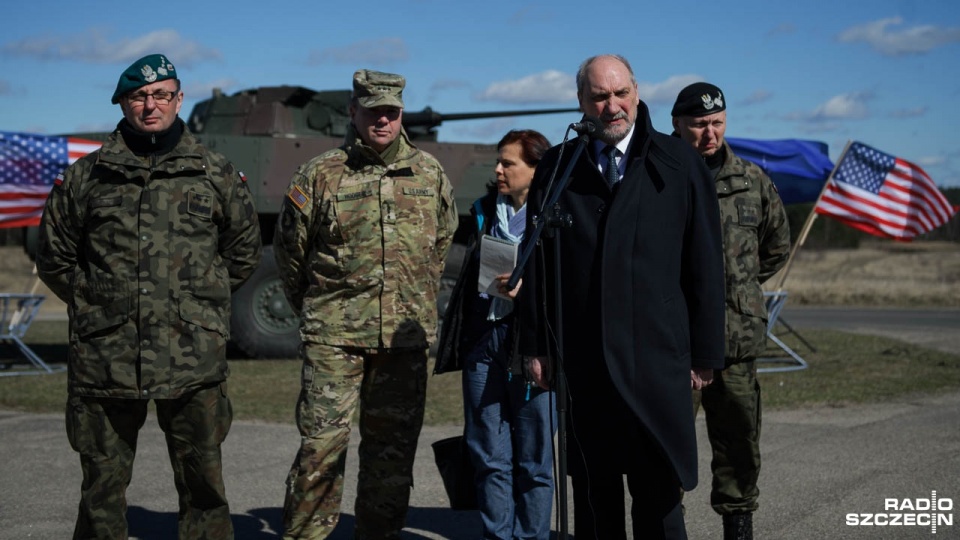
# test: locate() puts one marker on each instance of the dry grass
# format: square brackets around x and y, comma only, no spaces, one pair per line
[882,274]
[843,369]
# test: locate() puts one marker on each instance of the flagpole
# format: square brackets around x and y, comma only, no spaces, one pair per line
[809,223]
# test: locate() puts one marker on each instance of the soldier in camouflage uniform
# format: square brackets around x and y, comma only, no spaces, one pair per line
[144,240]
[756,240]
[360,243]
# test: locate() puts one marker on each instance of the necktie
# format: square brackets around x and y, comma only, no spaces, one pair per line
[612,173]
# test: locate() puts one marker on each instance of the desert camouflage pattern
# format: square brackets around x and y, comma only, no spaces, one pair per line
[756,243]
[360,245]
[392,386]
[104,433]
[145,252]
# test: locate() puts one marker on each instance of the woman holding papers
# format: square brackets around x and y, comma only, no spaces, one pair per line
[509,422]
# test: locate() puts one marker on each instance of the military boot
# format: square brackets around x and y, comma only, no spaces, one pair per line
[738,527]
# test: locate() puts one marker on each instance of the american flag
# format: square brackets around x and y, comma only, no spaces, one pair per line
[883,195]
[29,164]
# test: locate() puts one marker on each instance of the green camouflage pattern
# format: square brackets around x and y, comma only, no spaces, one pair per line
[392,387]
[103,431]
[756,244]
[145,252]
[360,245]
[731,404]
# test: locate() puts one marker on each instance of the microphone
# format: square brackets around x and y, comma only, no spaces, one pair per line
[586,126]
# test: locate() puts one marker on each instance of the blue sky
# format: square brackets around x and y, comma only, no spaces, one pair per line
[884,72]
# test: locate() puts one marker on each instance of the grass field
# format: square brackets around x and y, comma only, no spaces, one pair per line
[845,369]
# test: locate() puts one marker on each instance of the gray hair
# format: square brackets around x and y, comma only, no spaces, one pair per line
[582,72]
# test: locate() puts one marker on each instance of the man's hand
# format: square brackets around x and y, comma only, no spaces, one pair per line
[502,280]
[700,378]
[538,370]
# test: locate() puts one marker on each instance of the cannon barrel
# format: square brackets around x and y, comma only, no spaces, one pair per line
[429,118]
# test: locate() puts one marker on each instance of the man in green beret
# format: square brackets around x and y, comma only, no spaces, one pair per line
[360,244]
[756,244]
[144,239]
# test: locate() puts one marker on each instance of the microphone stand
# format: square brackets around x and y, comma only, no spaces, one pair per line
[550,216]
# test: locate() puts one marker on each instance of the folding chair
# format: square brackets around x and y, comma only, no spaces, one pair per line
[17,312]
[775,302]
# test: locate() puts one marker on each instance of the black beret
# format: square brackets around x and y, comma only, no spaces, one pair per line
[699,99]
[149,69]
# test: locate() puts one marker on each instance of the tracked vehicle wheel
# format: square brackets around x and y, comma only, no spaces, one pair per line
[262,324]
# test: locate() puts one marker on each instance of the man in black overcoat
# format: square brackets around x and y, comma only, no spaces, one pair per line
[642,301]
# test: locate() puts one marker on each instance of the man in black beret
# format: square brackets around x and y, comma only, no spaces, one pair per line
[756,244]
[145,239]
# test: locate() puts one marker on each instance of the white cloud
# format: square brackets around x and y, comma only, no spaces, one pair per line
[448,84]
[486,130]
[831,115]
[550,86]
[850,106]
[95,48]
[781,29]
[376,52]
[758,96]
[665,92]
[554,86]
[204,89]
[931,161]
[909,113]
[917,39]
[531,13]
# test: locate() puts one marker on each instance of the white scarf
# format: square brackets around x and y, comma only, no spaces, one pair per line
[509,225]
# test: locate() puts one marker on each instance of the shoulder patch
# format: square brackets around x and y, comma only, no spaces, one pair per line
[58,181]
[298,197]
[243,177]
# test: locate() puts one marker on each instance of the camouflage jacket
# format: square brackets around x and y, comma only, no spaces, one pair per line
[360,245]
[756,243]
[145,252]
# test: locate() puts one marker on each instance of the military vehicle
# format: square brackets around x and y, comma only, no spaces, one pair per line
[267,132]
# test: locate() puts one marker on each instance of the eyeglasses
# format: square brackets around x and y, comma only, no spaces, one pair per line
[161,97]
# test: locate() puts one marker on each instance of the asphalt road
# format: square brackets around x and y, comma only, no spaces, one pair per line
[934,328]
[820,465]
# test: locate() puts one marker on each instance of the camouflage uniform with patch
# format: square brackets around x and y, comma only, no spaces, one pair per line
[145,252]
[360,245]
[756,241]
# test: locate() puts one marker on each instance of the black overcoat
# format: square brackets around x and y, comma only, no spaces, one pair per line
[641,273]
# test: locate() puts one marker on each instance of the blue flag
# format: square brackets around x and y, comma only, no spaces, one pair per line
[798,168]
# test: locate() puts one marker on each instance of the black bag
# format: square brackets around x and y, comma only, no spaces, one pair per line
[457,472]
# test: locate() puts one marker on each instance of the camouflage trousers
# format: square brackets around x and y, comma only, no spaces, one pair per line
[104,432]
[390,388]
[732,408]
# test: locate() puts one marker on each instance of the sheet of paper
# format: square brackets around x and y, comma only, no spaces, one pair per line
[497,257]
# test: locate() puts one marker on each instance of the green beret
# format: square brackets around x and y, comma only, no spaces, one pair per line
[149,69]
[698,99]
[375,89]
